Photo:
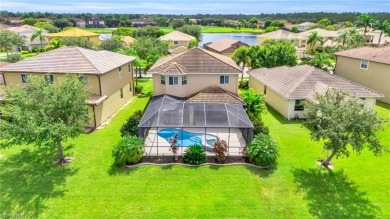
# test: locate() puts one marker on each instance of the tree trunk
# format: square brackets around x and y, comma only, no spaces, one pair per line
[61,158]
[327,161]
[242,75]
[380,36]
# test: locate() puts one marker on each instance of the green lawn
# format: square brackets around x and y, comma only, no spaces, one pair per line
[90,187]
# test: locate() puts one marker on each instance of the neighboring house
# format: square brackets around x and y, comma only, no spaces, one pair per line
[96,22]
[186,74]
[142,22]
[261,24]
[178,41]
[26,31]
[367,66]
[225,46]
[305,26]
[15,22]
[108,75]
[75,33]
[286,89]
[80,22]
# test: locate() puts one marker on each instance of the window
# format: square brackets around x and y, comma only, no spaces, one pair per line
[265,90]
[176,43]
[162,79]
[120,73]
[184,80]
[49,78]
[130,88]
[24,78]
[121,92]
[84,79]
[299,105]
[364,64]
[129,66]
[173,80]
[224,79]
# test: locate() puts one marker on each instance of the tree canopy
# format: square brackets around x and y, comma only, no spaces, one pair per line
[193,30]
[340,120]
[43,113]
[9,39]
[273,53]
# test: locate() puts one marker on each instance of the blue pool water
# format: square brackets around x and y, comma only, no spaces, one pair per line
[186,139]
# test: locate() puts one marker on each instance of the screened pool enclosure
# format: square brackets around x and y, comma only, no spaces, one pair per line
[194,123]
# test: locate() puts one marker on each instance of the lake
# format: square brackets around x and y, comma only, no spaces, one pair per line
[248,38]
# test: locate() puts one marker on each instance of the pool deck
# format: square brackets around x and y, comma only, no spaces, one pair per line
[156,145]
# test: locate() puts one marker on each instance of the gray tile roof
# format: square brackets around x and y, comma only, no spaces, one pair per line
[300,82]
[197,60]
[381,54]
[70,60]
[176,36]
[224,44]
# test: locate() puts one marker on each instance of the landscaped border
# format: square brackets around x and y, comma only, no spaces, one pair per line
[191,165]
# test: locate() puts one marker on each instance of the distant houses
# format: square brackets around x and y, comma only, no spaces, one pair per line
[26,31]
[108,75]
[75,33]
[178,41]
[305,26]
[142,22]
[367,66]
[80,22]
[96,22]
[225,46]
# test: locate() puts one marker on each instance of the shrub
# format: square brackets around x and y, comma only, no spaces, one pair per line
[262,150]
[14,57]
[243,84]
[130,127]
[220,149]
[194,154]
[129,149]
[25,52]
[138,89]
[259,126]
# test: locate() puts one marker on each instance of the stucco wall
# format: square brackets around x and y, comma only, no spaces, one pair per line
[195,83]
[376,77]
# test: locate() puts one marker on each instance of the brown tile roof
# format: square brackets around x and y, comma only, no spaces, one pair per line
[95,99]
[381,54]
[224,44]
[175,69]
[299,82]
[197,60]
[4,26]
[70,60]
[321,32]
[214,94]
[176,36]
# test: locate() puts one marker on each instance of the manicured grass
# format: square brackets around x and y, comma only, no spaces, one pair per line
[91,187]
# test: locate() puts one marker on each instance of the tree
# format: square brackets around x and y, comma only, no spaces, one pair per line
[277,24]
[340,120]
[44,114]
[324,22]
[321,60]
[178,23]
[78,41]
[365,21]
[193,43]
[193,30]
[383,26]
[29,21]
[62,23]
[271,28]
[147,31]
[294,29]
[112,44]
[350,38]
[241,56]
[47,26]
[9,39]
[122,31]
[38,33]
[313,40]
[253,21]
[255,102]
[273,53]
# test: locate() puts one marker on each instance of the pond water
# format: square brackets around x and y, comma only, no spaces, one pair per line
[248,38]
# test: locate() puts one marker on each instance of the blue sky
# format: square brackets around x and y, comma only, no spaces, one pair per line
[195,6]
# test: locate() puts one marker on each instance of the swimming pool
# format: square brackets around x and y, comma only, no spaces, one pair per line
[186,139]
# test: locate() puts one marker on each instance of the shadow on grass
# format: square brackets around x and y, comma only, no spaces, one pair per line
[27,179]
[333,195]
[280,118]
[383,105]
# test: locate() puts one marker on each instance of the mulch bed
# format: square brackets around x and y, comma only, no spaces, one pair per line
[209,159]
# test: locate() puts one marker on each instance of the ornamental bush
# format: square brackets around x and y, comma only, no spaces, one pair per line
[130,128]
[220,149]
[262,151]
[129,149]
[194,154]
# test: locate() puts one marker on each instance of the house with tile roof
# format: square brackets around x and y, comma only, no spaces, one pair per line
[108,75]
[75,33]
[225,46]
[178,41]
[26,31]
[196,70]
[368,66]
[286,89]
[305,26]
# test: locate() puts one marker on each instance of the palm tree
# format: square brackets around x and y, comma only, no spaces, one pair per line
[365,21]
[383,26]
[313,39]
[241,56]
[350,38]
[38,33]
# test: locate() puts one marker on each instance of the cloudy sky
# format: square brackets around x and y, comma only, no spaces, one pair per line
[195,6]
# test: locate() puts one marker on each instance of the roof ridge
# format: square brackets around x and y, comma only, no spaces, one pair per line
[82,53]
[215,86]
[311,69]
[208,53]
[170,58]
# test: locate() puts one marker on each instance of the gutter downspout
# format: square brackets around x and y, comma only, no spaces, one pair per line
[94,116]
[100,86]
[5,83]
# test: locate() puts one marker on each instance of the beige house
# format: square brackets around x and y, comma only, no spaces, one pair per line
[26,31]
[305,26]
[186,74]
[287,88]
[178,41]
[225,46]
[367,66]
[108,75]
